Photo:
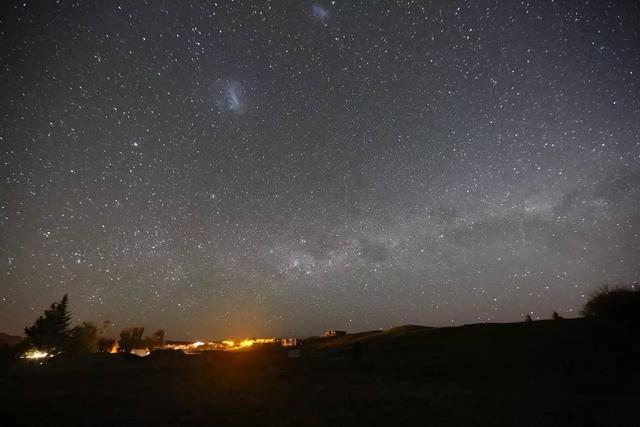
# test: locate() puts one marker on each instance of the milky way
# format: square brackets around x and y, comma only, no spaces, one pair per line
[279,168]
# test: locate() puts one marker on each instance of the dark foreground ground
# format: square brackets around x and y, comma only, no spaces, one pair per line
[548,373]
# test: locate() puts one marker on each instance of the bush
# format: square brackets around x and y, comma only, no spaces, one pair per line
[106,345]
[617,303]
[556,316]
[84,338]
[130,338]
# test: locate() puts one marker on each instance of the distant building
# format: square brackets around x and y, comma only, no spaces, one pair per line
[331,333]
[142,352]
[289,342]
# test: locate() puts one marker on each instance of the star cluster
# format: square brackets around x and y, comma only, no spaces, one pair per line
[281,167]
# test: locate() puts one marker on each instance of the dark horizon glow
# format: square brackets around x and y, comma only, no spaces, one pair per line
[255,168]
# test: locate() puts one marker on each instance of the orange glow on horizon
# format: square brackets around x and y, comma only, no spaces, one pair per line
[226,345]
[246,343]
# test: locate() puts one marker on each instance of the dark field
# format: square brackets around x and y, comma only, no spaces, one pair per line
[565,373]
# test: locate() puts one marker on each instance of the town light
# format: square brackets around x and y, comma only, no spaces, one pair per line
[35,354]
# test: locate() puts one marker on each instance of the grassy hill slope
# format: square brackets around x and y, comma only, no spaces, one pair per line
[568,372]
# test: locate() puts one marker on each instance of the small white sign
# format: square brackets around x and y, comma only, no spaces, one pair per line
[294,354]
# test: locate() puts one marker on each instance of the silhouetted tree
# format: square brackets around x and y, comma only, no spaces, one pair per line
[105,345]
[156,339]
[528,318]
[106,324]
[84,338]
[130,338]
[51,331]
[556,316]
[617,303]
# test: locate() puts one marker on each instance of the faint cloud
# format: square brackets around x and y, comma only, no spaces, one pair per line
[320,12]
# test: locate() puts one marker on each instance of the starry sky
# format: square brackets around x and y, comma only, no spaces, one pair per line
[277,168]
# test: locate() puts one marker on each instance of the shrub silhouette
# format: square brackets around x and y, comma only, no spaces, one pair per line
[618,303]
[556,316]
[528,318]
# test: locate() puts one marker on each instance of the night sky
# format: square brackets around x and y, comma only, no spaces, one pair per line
[239,168]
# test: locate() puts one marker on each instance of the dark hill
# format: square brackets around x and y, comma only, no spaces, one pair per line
[544,346]
[9,339]
[572,372]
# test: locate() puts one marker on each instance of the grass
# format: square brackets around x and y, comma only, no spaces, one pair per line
[571,372]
